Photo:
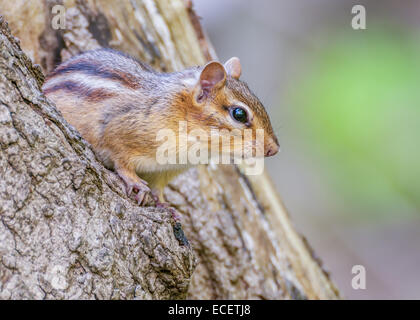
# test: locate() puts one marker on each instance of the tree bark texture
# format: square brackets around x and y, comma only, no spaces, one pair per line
[68,230]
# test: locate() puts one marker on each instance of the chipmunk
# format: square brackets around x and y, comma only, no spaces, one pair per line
[118,104]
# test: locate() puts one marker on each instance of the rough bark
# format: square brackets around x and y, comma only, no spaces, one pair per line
[60,207]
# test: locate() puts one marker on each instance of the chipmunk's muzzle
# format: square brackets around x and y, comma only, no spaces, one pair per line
[271,148]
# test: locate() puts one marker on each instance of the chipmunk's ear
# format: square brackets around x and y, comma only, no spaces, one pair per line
[213,76]
[233,67]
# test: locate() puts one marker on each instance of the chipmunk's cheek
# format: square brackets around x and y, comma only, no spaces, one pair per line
[259,151]
[252,149]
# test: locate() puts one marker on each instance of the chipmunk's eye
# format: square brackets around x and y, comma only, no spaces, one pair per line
[239,114]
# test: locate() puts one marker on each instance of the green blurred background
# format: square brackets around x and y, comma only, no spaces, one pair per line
[345,105]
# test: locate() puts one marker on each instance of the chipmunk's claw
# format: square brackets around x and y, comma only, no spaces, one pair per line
[141,191]
[175,215]
[155,196]
[165,205]
[137,186]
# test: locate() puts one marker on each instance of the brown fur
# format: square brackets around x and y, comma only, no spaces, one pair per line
[119,105]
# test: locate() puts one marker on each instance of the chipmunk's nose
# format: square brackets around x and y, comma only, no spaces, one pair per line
[272,148]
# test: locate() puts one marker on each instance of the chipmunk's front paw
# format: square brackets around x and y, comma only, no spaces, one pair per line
[141,191]
[137,186]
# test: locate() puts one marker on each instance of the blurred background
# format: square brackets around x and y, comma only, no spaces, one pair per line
[345,105]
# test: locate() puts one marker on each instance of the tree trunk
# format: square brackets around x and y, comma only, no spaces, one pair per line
[68,230]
